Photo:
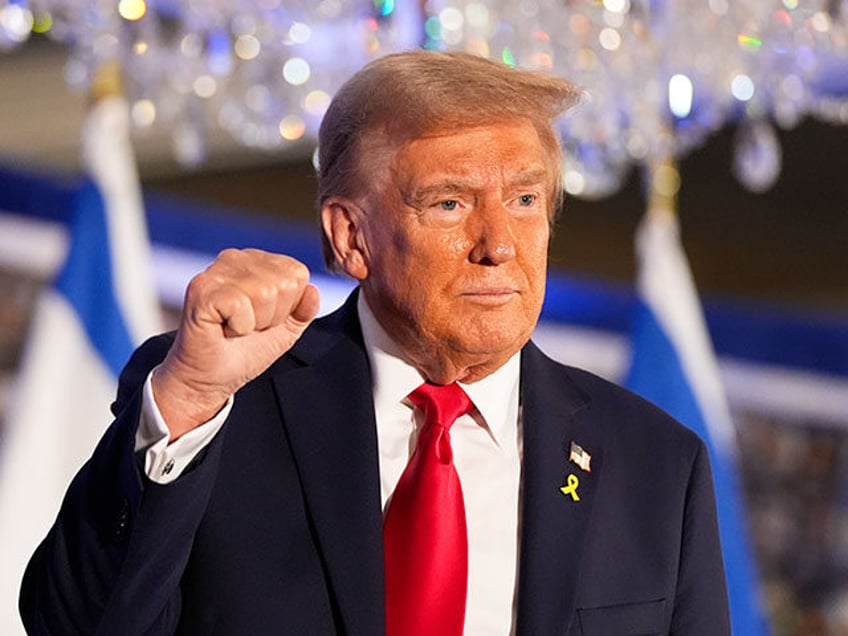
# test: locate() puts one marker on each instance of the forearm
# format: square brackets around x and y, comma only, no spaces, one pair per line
[114,557]
[70,578]
[113,561]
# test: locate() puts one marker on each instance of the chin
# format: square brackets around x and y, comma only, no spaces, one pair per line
[490,341]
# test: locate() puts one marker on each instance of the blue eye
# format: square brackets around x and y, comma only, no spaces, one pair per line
[527,200]
[449,205]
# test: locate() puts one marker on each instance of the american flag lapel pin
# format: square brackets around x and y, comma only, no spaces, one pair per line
[579,456]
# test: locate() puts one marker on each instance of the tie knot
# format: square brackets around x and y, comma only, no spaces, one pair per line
[441,405]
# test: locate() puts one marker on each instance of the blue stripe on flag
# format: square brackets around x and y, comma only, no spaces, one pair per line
[657,374]
[86,281]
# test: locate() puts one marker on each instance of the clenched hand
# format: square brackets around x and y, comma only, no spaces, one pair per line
[240,314]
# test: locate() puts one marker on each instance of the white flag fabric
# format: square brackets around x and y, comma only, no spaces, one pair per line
[84,328]
[674,366]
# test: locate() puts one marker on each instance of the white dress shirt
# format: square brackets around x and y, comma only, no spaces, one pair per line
[486,450]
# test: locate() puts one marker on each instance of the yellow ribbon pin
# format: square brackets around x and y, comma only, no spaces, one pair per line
[571,488]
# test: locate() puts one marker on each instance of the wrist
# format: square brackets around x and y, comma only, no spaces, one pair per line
[184,406]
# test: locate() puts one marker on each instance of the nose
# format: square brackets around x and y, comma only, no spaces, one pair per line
[494,242]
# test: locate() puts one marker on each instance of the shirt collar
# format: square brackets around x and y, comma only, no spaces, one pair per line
[495,396]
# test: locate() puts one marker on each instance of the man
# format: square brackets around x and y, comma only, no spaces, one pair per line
[579,508]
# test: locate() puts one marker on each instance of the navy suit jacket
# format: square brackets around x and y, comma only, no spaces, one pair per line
[276,527]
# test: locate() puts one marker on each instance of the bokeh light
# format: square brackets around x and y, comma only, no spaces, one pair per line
[132,9]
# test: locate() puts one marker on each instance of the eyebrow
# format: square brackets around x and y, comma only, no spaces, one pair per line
[530,176]
[419,196]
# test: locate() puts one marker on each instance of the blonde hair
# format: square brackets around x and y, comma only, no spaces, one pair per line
[403,96]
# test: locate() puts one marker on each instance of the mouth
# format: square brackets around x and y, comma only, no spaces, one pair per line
[492,297]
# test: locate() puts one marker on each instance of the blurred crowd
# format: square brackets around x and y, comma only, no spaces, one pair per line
[795,477]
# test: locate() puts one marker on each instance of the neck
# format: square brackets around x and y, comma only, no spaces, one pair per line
[438,363]
[446,367]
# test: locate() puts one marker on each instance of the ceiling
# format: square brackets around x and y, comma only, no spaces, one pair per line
[788,246]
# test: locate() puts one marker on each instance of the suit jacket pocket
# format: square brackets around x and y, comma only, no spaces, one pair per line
[631,619]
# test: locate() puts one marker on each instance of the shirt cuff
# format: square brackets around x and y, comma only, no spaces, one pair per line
[164,461]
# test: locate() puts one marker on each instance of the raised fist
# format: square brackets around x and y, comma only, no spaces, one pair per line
[240,314]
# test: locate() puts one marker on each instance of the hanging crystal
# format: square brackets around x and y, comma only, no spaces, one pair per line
[757,157]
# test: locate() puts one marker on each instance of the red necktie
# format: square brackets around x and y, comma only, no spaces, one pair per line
[424,533]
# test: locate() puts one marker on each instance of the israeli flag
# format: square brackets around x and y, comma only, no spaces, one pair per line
[673,366]
[101,305]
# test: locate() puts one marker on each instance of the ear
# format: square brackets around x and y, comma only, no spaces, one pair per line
[342,221]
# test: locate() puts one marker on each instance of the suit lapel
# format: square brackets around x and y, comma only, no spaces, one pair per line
[328,410]
[553,523]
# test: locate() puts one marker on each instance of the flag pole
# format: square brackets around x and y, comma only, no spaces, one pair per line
[673,364]
[101,304]
[663,186]
[107,82]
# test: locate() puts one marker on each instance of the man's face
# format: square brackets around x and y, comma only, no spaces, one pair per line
[456,247]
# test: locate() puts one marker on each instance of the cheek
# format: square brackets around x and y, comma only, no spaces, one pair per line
[410,265]
[399,243]
[455,246]
[431,255]
[534,246]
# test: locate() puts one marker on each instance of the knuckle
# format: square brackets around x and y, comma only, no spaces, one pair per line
[199,285]
[289,285]
[241,304]
[290,275]
[266,293]
[228,254]
[232,298]
[299,271]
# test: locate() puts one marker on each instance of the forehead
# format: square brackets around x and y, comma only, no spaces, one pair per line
[492,151]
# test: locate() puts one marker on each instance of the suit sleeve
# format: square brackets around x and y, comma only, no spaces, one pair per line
[701,605]
[113,560]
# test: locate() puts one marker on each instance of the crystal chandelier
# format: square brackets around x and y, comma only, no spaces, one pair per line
[661,75]
[665,74]
[263,70]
